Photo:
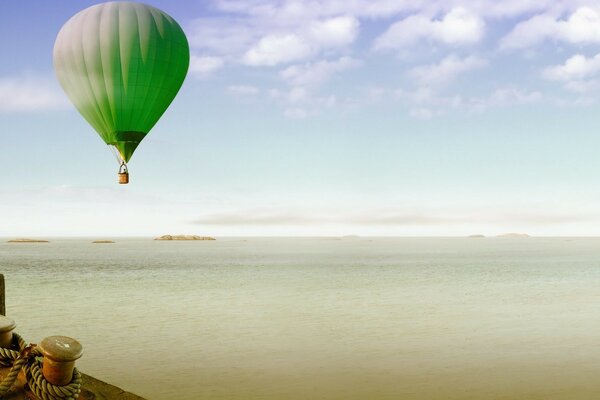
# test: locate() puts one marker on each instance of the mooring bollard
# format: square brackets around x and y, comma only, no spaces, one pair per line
[7,325]
[60,354]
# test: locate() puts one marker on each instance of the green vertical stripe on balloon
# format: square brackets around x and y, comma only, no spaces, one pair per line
[121,64]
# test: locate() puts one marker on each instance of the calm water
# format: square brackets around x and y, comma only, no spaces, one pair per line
[320,318]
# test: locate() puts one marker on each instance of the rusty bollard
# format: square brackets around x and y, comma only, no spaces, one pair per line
[7,325]
[60,353]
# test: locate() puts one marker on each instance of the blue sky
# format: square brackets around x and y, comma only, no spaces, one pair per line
[322,118]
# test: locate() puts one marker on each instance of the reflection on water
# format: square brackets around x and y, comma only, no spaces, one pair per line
[320,318]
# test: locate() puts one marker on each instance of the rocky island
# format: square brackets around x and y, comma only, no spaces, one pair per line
[514,235]
[478,236]
[184,237]
[102,241]
[28,241]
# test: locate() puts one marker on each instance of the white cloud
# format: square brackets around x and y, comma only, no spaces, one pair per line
[241,24]
[243,90]
[277,49]
[578,74]
[297,95]
[281,48]
[399,215]
[333,32]
[457,27]
[581,27]
[203,66]
[293,96]
[427,103]
[290,11]
[530,32]
[575,68]
[446,70]
[513,96]
[313,74]
[583,86]
[223,35]
[30,93]
[432,95]
[287,11]
[300,102]
[274,32]
[314,41]
[511,8]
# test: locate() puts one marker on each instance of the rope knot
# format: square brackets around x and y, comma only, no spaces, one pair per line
[28,351]
[26,358]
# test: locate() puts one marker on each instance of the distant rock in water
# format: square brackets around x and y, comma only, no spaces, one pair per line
[184,237]
[514,235]
[476,236]
[102,241]
[28,241]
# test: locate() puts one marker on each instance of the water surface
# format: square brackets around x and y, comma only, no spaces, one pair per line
[320,318]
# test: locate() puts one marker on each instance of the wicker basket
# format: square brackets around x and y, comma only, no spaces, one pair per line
[123,178]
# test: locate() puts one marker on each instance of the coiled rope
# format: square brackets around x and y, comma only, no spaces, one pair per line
[8,356]
[27,357]
[44,389]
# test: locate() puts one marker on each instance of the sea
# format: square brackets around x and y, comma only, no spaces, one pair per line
[319,318]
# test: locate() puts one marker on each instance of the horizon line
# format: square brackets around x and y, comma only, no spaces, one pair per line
[350,236]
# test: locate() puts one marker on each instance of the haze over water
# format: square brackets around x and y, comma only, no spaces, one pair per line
[320,318]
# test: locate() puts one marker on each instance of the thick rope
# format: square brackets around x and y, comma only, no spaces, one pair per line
[10,379]
[8,356]
[27,358]
[23,356]
[47,391]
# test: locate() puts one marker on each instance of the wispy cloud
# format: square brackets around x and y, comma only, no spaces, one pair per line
[580,27]
[243,90]
[290,11]
[427,103]
[432,43]
[446,70]
[278,49]
[204,66]
[300,102]
[577,67]
[316,73]
[457,27]
[281,48]
[28,93]
[402,216]
[223,35]
[256,218]
[577,74]
[296,217]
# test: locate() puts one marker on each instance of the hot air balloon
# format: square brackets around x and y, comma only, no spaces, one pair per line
[121,64]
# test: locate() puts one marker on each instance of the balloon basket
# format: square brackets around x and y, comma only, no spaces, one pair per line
[123,178]
[123,174]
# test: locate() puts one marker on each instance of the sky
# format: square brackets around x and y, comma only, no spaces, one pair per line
[322,117]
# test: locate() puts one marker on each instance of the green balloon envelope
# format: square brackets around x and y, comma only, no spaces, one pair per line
[121,64]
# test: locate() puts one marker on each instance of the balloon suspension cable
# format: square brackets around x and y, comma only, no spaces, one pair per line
[117,154]
[123,170]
